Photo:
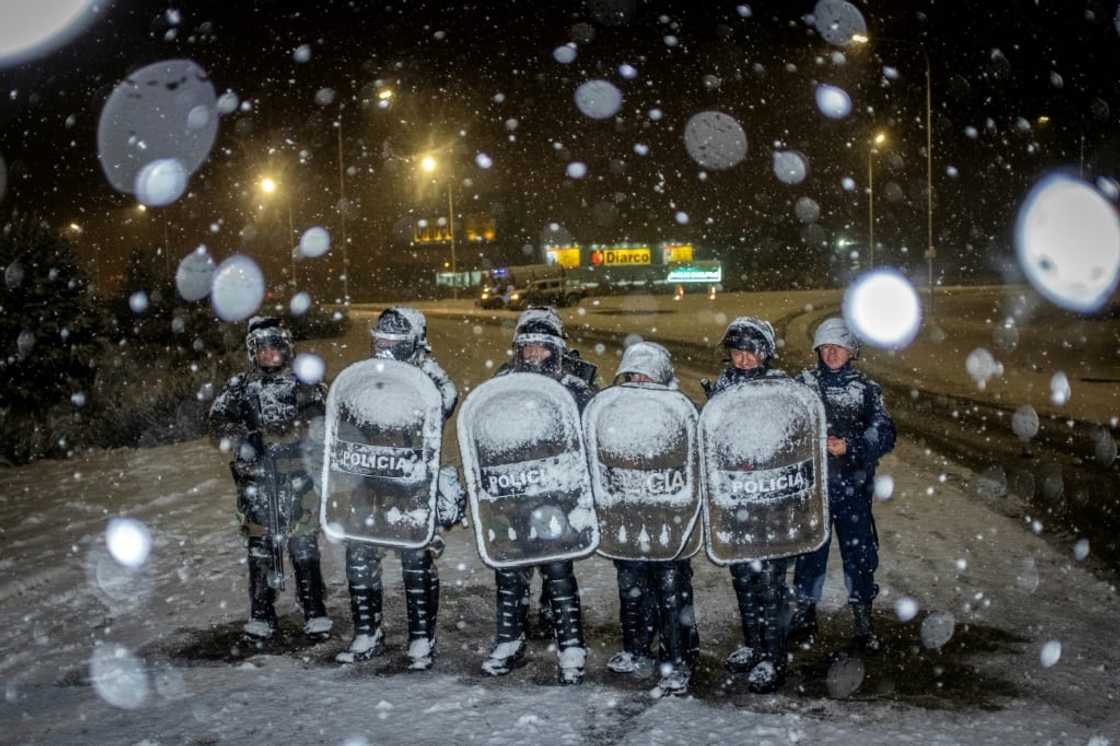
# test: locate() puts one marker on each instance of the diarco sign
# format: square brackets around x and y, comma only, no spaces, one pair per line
[382,462]
[619,257]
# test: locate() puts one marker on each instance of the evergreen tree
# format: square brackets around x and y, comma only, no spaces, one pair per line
[48,320]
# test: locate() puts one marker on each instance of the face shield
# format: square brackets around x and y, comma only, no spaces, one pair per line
[269,349]
[392,346]
[538,353]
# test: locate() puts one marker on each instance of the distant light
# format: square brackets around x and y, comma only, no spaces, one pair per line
[385,94]
[1043,119]
[142,208]
[882,308]
[428,163]
[75,227]
[859,38]
[880,138]
[129,541]
[268,186]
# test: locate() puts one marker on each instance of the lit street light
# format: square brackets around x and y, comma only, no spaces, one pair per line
[429,165]
[931,253]
[268,186]
[879,139]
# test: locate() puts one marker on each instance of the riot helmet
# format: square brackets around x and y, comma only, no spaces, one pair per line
[649,362]
[267,333]
[538,342]
[400,333]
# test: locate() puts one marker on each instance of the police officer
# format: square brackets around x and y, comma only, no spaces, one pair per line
[860,432]
[760,585]
[539,347]
[401,333]
[263,416]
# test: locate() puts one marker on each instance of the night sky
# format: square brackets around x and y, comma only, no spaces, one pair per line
[461,72]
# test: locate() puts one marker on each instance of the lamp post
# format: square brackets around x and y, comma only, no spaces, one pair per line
[931,253]
[269,186]
[342,215]
[879,139]
[429,165]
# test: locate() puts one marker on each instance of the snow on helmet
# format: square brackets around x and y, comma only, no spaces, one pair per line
[265,332]
[540,320]
[648,359]
[751,334]
[835,331]
[399,333]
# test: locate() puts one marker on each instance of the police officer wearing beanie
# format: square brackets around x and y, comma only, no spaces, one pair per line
[860,432]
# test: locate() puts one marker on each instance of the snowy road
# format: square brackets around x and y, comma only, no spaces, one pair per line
[161,638]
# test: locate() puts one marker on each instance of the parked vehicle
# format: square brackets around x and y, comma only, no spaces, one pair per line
[553,291]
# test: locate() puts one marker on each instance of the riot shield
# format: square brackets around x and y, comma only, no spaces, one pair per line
[382,438]
[643,459]
[526,472]
[764,466]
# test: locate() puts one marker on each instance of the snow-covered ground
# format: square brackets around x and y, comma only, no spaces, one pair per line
[96,653]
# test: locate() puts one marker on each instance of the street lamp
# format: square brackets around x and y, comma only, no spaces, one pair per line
[931,253]
[879,139]
[268,186]
[77,231]
[428,164]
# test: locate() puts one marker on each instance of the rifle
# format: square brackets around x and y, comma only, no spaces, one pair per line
[267,470]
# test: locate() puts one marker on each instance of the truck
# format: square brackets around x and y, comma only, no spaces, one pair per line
[527,285]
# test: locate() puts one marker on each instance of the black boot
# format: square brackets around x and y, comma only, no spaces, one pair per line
[508,651]
[567,618]
[768,674]
[803,623]
[262,622]
[636,614]
[363,574]
[679,640]
[864,638]
[420,580]
[544,628]
[761,596]
[304,551]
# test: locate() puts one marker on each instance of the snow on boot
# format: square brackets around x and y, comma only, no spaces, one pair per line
[572,661]
[624,662]
[421,654]
[803,624]
[318,627]
[504,657]
[764,678]
[259,629]
[362,648]
[865,638]
[743,660]
[674,683]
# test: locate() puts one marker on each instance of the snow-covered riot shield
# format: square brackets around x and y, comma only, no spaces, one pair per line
[526,472]
[382,440]
[764,469]
[643,458]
